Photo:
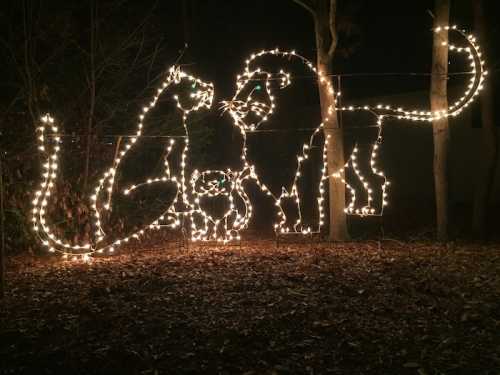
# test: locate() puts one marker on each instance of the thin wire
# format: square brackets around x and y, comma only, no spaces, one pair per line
[184,136]
[368,74]
[308,129]
[338,76]
[117,136]
[402,74]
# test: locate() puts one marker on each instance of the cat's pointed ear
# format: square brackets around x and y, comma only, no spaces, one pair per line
[189,92]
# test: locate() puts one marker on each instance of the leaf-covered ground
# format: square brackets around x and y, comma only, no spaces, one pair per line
[357,308]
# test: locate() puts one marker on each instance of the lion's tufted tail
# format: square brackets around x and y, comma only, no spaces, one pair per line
[477,69]
[478,73]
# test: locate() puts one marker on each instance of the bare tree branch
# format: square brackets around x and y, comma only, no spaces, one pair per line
[128,40]
[306,6]
[153,59]
[333,28]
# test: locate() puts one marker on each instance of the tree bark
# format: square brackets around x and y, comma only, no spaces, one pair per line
[324,16]
[441,133]
[335,161]
[489,147]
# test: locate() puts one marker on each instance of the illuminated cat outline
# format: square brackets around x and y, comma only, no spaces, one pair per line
[239,110]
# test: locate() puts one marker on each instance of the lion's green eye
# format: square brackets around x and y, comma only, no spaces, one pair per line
[222,181]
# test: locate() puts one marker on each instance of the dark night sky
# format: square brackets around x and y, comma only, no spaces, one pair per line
[395,37]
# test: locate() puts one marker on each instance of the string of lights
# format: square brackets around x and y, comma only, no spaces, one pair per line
[248,114]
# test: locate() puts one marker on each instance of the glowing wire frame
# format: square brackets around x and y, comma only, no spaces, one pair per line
[203,226]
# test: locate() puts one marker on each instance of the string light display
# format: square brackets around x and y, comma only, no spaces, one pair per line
[248,114]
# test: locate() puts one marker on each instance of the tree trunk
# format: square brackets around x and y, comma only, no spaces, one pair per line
[326,43]
[439,101]
[335,159]
[489,147]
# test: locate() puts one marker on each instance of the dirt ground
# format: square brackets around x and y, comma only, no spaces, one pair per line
[357,308]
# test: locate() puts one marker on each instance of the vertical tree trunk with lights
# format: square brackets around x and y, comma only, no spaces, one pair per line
[324,16]
[489,147]
[441,133]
